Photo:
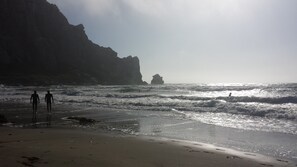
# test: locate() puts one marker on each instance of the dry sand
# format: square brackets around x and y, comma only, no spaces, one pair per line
[77,147]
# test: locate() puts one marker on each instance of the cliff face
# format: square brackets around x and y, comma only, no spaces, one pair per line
[39,46]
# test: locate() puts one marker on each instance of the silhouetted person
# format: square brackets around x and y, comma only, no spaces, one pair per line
[230,94]
[49,99]
[34,100]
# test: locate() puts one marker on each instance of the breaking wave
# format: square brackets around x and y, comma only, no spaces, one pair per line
[247,99]
[273,103]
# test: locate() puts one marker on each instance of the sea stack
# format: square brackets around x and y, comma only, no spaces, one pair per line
[157,80]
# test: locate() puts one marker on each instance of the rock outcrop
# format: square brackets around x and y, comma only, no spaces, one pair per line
[157,80]
[38,46]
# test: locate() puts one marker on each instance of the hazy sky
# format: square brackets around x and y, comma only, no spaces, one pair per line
[196,41]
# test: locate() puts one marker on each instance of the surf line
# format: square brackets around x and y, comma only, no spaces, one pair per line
[182,123]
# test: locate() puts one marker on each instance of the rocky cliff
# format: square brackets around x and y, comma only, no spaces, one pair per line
[39,46]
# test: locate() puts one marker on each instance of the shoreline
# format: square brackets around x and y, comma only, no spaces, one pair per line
[77,147]
[108,125]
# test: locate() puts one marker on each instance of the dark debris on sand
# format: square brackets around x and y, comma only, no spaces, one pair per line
[83,120]
[30,161]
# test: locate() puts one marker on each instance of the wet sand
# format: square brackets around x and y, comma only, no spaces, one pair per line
[74,145]
[78,147]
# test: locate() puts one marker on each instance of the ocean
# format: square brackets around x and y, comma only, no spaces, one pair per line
[259,118]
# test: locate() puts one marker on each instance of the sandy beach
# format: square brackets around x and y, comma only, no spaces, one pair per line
[143,83]
[78,147]
[72,144]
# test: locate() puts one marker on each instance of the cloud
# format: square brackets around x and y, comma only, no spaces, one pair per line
[193,36]
[91,7]
[178,9]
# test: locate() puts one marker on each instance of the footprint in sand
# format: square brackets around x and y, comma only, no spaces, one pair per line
[26,164]
[30,161]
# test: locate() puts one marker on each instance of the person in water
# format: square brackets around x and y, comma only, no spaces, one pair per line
[49,99]
[230,94]
[34,100]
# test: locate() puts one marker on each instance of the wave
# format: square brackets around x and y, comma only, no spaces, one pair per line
[270,100]
[236,99]
[129,89]
[131,96]
[223,88]
[265,112]
[208,103]
[268,104]
[70,92]
[283,112]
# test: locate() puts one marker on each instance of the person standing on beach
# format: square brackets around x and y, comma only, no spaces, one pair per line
[49,99]
[34,100]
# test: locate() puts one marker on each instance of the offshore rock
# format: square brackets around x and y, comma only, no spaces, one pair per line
[38,46]
[157,80]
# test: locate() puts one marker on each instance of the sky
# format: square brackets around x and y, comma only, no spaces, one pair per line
[196,41]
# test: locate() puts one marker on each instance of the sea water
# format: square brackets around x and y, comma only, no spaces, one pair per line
[259,118]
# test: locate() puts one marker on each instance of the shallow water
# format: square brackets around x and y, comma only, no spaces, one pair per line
[256,118]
